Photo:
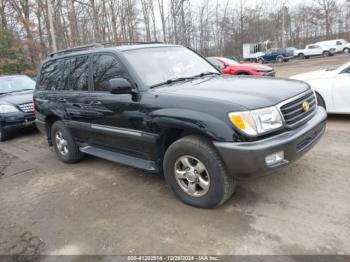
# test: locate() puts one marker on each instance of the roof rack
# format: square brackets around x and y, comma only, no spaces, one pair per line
[76,49]
[98,45]
[130,43]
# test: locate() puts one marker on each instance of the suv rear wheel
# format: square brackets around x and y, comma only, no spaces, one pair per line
[261,60]
[301,56]
[279,59]
[196,174]
[326,53]
[66,148]
[346,50]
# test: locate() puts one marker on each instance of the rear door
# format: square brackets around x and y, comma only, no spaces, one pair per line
[117,120]
[74,96]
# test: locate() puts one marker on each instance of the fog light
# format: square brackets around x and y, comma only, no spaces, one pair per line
[275,158]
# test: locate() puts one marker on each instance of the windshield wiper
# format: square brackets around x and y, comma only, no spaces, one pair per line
[173,80]
[26,89]
[207,74]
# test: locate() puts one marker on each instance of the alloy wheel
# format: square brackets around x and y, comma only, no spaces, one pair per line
[192,176]
[61,143]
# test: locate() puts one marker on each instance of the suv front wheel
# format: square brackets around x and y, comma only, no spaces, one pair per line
[4,135]
[66,148]
[196,174]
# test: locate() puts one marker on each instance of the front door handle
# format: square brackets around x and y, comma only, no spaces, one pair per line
[96,103]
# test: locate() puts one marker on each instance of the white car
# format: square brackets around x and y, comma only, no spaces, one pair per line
[340,45]
[314,50]
[332,88]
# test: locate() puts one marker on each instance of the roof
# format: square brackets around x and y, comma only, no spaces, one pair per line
[96,47]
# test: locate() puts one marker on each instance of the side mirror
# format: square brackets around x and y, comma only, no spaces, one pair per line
[120,86]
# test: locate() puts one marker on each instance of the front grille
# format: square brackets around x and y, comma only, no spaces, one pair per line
[293,111]
[27,108]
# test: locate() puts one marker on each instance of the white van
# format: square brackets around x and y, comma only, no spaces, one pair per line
[340,45]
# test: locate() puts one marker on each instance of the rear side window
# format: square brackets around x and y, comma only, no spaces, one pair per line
[106,67]
[76,74]
[50,77]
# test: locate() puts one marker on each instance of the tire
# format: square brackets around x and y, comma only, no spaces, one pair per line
[279,59]
[73,154]
[346,50]
[326,53]
[4,135]
[243,74]
[320,101]
[301,56]
[220,185]
[260,61]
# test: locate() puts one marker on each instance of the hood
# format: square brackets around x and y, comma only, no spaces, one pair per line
[311,75]
[17,98]
[248,92]
[256,66]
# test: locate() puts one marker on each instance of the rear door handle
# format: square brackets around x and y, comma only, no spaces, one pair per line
[62,100]
[96,103]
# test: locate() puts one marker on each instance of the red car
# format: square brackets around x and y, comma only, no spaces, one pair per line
[232,67]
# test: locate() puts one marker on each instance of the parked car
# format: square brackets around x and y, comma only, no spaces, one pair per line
[314,50]
[178,115]
[232,67]
[16,104]
[340,45]
[278,55]
[332,88]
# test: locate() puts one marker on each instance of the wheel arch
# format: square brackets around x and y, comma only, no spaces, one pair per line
[50,120]
[318,95]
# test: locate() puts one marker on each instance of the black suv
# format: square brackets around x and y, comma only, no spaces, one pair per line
[161,107]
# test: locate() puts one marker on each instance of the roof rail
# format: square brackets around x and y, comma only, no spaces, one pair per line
[130,43]
[76,49]
[99,45]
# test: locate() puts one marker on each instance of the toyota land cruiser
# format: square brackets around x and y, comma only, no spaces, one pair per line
[164,108]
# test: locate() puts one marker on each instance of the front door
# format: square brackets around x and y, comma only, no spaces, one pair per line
[116,121]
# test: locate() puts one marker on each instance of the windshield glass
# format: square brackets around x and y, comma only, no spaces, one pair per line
[15,83]
[229,61]
[160,64]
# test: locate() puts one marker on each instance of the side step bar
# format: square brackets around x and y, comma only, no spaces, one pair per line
[139,163]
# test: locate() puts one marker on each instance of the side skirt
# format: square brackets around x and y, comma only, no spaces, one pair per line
[119,158]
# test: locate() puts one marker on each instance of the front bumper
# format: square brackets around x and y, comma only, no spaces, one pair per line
[16,121]
[248,158]
[269,73]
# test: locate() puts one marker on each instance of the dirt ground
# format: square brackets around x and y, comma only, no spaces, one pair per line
[99,207]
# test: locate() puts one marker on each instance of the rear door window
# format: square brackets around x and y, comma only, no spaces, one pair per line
[106,67]
[50,76]
[76,74]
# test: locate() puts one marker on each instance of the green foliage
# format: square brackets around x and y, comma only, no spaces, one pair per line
[12,56]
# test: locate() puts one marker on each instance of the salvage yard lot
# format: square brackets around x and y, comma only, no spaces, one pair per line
[99,207]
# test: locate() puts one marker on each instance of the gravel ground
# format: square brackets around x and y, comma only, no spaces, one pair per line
[98,207]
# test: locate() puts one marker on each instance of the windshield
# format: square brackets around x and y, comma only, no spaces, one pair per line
[15,84]
[160,64]
[229,61]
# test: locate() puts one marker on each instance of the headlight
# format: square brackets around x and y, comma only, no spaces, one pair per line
[258,121]
[8,109]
